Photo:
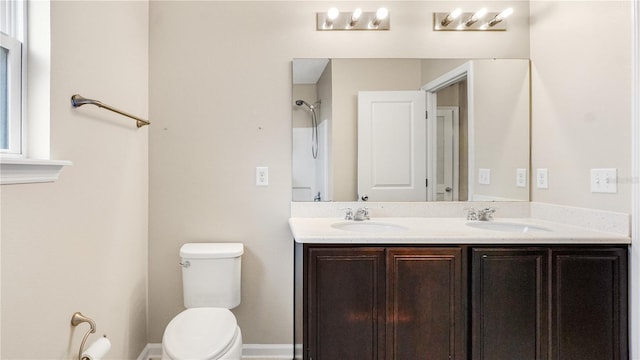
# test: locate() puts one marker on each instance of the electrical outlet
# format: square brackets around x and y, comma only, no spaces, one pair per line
[262,176]
[542,178]
[521,177]
[484,176]
[604,181]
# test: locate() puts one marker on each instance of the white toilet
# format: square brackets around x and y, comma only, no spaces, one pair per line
[207,330]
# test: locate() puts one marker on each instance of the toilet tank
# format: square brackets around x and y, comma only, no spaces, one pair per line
[211,274]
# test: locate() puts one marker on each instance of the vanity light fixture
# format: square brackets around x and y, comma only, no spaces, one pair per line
[356,20]
[467,21]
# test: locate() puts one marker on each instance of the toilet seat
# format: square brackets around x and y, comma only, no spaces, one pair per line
[200,333]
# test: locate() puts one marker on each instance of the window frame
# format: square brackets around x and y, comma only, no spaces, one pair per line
[31,163]
[13,38]
[15,122]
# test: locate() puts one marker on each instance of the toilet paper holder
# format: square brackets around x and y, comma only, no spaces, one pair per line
[78,319]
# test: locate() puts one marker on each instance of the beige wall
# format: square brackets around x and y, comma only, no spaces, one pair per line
[501,126]
[80,244]
[581,91]
[221,106]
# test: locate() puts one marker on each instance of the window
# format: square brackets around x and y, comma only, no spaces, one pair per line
[17,164]
[12,67]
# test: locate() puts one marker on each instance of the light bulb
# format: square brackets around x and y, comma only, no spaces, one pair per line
[356,15]
[503,15]
[475,17]
[381,14]
[450,17]
[333,13]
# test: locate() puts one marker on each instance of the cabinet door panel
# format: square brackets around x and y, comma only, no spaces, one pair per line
[425,308]
[509,304]
[346,303]
[589,305]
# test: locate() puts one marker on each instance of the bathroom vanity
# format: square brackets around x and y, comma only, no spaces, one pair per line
[447,288]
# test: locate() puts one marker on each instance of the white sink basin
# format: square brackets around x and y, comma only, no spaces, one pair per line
[368,226]
[506,226]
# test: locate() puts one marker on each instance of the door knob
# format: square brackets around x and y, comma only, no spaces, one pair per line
[448,189]
[364,198]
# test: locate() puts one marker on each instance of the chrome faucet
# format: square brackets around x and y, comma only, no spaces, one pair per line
[485,214]
[362,214]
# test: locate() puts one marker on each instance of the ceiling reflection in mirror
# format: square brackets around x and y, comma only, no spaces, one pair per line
[410,130]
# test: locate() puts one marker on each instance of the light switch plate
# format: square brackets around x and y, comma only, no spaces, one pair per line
[262,176]
[542,178]
[521,177]
[604,181]
[484,176]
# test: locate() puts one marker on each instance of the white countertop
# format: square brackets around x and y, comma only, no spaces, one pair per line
[439,230]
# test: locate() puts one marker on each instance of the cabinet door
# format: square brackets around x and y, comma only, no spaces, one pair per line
[509,304]
[589,304]
[346,303]
[425,310]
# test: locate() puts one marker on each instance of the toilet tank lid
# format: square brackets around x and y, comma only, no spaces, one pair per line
[211,250]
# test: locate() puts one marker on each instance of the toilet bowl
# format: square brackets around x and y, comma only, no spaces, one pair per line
[207,329]
[202,334]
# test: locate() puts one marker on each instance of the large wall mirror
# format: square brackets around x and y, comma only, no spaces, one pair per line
[410,129]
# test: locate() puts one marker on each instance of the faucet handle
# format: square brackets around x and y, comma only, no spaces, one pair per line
[471,213]
[348,215]
[362,214]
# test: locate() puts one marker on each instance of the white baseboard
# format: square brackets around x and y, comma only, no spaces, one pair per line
[249,351]
[151,351]
[267,351]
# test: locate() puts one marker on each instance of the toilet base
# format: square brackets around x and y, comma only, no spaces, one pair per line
[234,352]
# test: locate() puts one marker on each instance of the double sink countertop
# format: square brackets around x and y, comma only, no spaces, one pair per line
[445,230]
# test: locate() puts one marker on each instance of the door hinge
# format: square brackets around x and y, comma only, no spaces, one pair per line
[426,114]
[426,182]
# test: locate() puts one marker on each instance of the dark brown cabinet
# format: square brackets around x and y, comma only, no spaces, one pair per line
[384,303]
[589,304]
[346,303]
[425,311]
[509,302]
[549,303]
[464,302]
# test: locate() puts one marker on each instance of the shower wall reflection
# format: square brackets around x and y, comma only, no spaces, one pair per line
[311,143]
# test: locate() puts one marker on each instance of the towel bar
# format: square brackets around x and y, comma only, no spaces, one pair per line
[78,100]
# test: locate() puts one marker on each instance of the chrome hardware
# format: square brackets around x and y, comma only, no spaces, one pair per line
[361,214]
[318,197]
[448,189]
[348,214]
[471,214]
[185,264]
[364,198]
[486,214]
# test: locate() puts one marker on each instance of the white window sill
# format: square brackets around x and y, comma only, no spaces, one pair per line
[29,171]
